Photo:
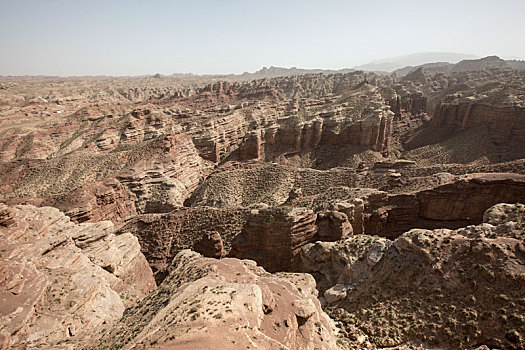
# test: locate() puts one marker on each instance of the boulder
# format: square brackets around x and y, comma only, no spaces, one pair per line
[210,245]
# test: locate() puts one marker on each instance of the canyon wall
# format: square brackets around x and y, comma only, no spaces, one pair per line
[324,129]
[273,237]
[457,203]
[506,123]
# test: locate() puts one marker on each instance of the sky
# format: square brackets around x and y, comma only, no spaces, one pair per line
[130,37]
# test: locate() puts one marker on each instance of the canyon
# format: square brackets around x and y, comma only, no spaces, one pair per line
[350,210]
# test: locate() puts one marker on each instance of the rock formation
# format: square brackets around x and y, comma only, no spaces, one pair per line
[367,181]
[425,285]
[63,281]
[333,226]
[225,304]
[361,121]
[506,123]
[210,245]
[273,237]
[162,236]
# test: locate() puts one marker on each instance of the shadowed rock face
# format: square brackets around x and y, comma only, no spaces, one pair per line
[506,123]
[210,245]
[333,226]
[225,304]
[273,237]
[460,202]
[162,236]
[61,280]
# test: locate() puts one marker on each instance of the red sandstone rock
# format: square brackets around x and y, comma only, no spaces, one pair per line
[60,280]
[105,200]
[6,216]
[506,123]
[225,304]
[273,237]
[333,226]
[210,245]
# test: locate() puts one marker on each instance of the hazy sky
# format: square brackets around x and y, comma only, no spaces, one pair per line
[117,37]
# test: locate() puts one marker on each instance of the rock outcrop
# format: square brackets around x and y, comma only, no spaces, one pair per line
[163,183]
[162,236]
[333,226]
[210,245]
[461,201]
[61,281]
[273,237]
[345,176]
[506,123]
[225,304]
[94,202]
[446,288]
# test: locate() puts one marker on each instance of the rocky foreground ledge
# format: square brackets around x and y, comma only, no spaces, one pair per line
[71,286]
[451,289]
[61,281]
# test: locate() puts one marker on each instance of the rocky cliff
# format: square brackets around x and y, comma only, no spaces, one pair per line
[63,281]
[360,118]
[226,304]
[461,201]
[441,288]
[273,237]
[506,123]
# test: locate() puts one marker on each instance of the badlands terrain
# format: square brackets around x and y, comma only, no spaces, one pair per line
[317,210]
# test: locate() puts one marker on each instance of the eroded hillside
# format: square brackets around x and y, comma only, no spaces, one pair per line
[387,189]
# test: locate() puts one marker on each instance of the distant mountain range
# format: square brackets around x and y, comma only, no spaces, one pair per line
[393,63]
[272,72]
[431,62]
[269,72]
[489,62]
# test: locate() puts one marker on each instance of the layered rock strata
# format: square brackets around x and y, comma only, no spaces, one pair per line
[226,304]
[336,127]
[62,281]
[506,123]
[273,237]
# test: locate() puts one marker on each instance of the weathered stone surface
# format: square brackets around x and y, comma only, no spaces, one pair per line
[162,184]
[333,226]
[105,200]
[343,262]
[359,151]
[460,201]
[162,236]
[479,271]
[225,304]
[335,293]
[62,281]
[273,237]
[473,195]
[6,216]
[210,245]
